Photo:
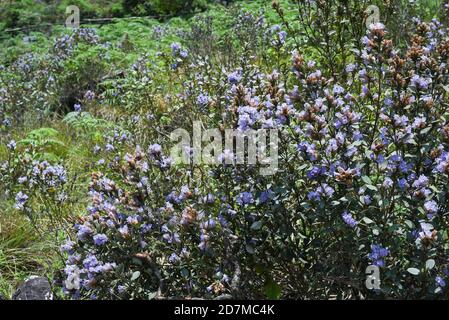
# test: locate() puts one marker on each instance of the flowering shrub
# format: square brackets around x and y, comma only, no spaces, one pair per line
[40,189]
[362,180]
[144,238]
[48,78]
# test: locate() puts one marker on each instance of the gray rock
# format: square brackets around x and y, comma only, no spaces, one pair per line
[34,288]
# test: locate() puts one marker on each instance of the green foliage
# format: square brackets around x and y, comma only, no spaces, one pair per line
[93,8]
[46,144]
[88,126]
[162,7]
[272,289]
[176,6]
[15,14]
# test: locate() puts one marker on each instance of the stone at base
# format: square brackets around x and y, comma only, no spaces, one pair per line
[34,288]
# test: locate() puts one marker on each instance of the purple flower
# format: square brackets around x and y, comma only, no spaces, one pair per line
[442,163]
[100,239]
[226,157]
[421,182]
[90,262]
[155,149]
[431,208]
[245,122]
[400,121]
[210,198]
[12,145]
[208,225]
[282,37]
[121,289]
[165,162]
[223,221]
[133,220]
[426,230]
[338,90]
[173,258]
[67,246]
[173,198]
[245,198]
[203,100]
[6,122]
[350,68]
[109,147]
[83,232]
[419,122]
[440,281]
[266,196]
[314,196]
[21,199]
[124,231]
[77,107]
[367,200]
[89,95]
[365,91]
[402,183]
[175,47]
[348,219]
[377,255]
[420,83]
[378,26]
[22,180]
[235,77]
[315,172]
[388,183]
[183,54]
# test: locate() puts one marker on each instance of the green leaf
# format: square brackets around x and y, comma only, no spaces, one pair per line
[135,275]
[185,273]
[367,220]
[409,224]
[152,295]
[249,248]
[430,264]
[137,261]
[367,180]
[256,225]
[272,289]
[413,271]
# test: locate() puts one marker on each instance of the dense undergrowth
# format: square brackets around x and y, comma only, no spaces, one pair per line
[92,198]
